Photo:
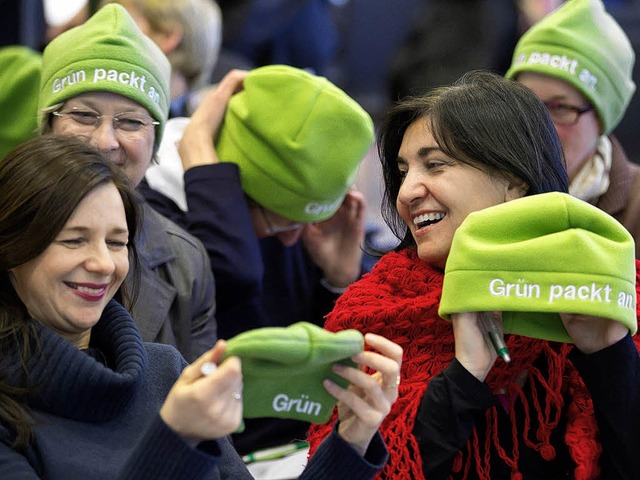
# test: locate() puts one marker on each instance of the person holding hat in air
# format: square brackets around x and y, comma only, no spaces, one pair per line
[490,241]
[108,83]
[579,62]
[263,176]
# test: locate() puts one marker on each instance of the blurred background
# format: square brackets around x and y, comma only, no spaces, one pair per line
[376,50]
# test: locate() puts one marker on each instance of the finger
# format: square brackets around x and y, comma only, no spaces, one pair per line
[229,85]
[383,384]
[212,108]
[225,382]
[364,397]
[385,346]
[348,397]
[194,371]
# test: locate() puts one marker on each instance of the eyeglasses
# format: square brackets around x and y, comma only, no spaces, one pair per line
[562,114]
[124,122]
[272,229]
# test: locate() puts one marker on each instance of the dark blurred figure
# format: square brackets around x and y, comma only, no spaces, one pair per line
[300,33]
[22,23]
[452,37]
[627,14]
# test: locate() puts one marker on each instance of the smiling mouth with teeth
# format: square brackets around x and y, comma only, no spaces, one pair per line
[428,219]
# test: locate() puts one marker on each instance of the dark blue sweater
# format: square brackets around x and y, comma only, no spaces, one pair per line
[101,421]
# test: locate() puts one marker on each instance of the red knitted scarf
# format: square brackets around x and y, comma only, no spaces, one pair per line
[399,299]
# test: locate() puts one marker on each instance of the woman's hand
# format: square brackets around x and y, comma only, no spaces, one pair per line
[366,402]
[196,146]
[473,350]
[201,407]
[591,334]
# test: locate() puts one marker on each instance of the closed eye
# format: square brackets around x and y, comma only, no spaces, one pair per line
[72,242]
[116,244]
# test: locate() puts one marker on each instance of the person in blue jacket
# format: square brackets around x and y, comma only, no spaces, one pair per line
[273,202]
[81,396]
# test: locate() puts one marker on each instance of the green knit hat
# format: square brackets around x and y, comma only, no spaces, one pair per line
[283,369]
[539,256]
[108,53]
[19,82]
[298,140]
[583,45]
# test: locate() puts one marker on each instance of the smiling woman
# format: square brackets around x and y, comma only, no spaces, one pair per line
[454,153]
[69,284]
[75,375]
[70,262]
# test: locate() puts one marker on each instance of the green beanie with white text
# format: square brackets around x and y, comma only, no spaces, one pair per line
[583,45]
[538,256]
[297,139]
[283,369]
[107,53]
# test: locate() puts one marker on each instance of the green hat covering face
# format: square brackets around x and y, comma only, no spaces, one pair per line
[20,67]
[108,53]
[283,369]
[583,45]
[298,140]
[538,256]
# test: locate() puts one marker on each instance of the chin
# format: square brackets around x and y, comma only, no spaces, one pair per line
[432,258]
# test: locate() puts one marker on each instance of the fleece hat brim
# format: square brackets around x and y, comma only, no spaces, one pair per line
[583,45]
[538,256]
[283,369]
[107,53]
[298,140]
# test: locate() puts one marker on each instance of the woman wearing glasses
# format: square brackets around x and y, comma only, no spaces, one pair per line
[108,84]
[579,62]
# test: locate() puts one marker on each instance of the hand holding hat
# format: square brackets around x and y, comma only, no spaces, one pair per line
[541,256]
[283,369]
[366,403]
[301,371]
[203,407]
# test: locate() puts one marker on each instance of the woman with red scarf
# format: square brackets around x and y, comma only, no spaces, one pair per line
[556,410]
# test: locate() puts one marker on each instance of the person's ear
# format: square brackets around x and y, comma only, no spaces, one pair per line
[169,41]
[515,188]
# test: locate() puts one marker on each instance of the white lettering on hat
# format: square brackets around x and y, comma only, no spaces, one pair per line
[583,292]
[282,403]
[498,288]
[561,62]
[72,78]
[588,78]
[315,208]
[626,300]
[130,78]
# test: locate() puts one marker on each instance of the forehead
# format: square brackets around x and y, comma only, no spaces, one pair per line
[417,135]
[106,101]
[548,87]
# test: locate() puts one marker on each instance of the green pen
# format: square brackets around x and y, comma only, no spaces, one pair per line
[275,452]
[494,334]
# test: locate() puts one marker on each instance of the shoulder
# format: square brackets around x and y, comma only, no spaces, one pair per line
[156,224]
[165,361]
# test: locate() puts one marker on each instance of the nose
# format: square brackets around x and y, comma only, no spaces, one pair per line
[104,136]
[289,239]
[100,260]
[411,189]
